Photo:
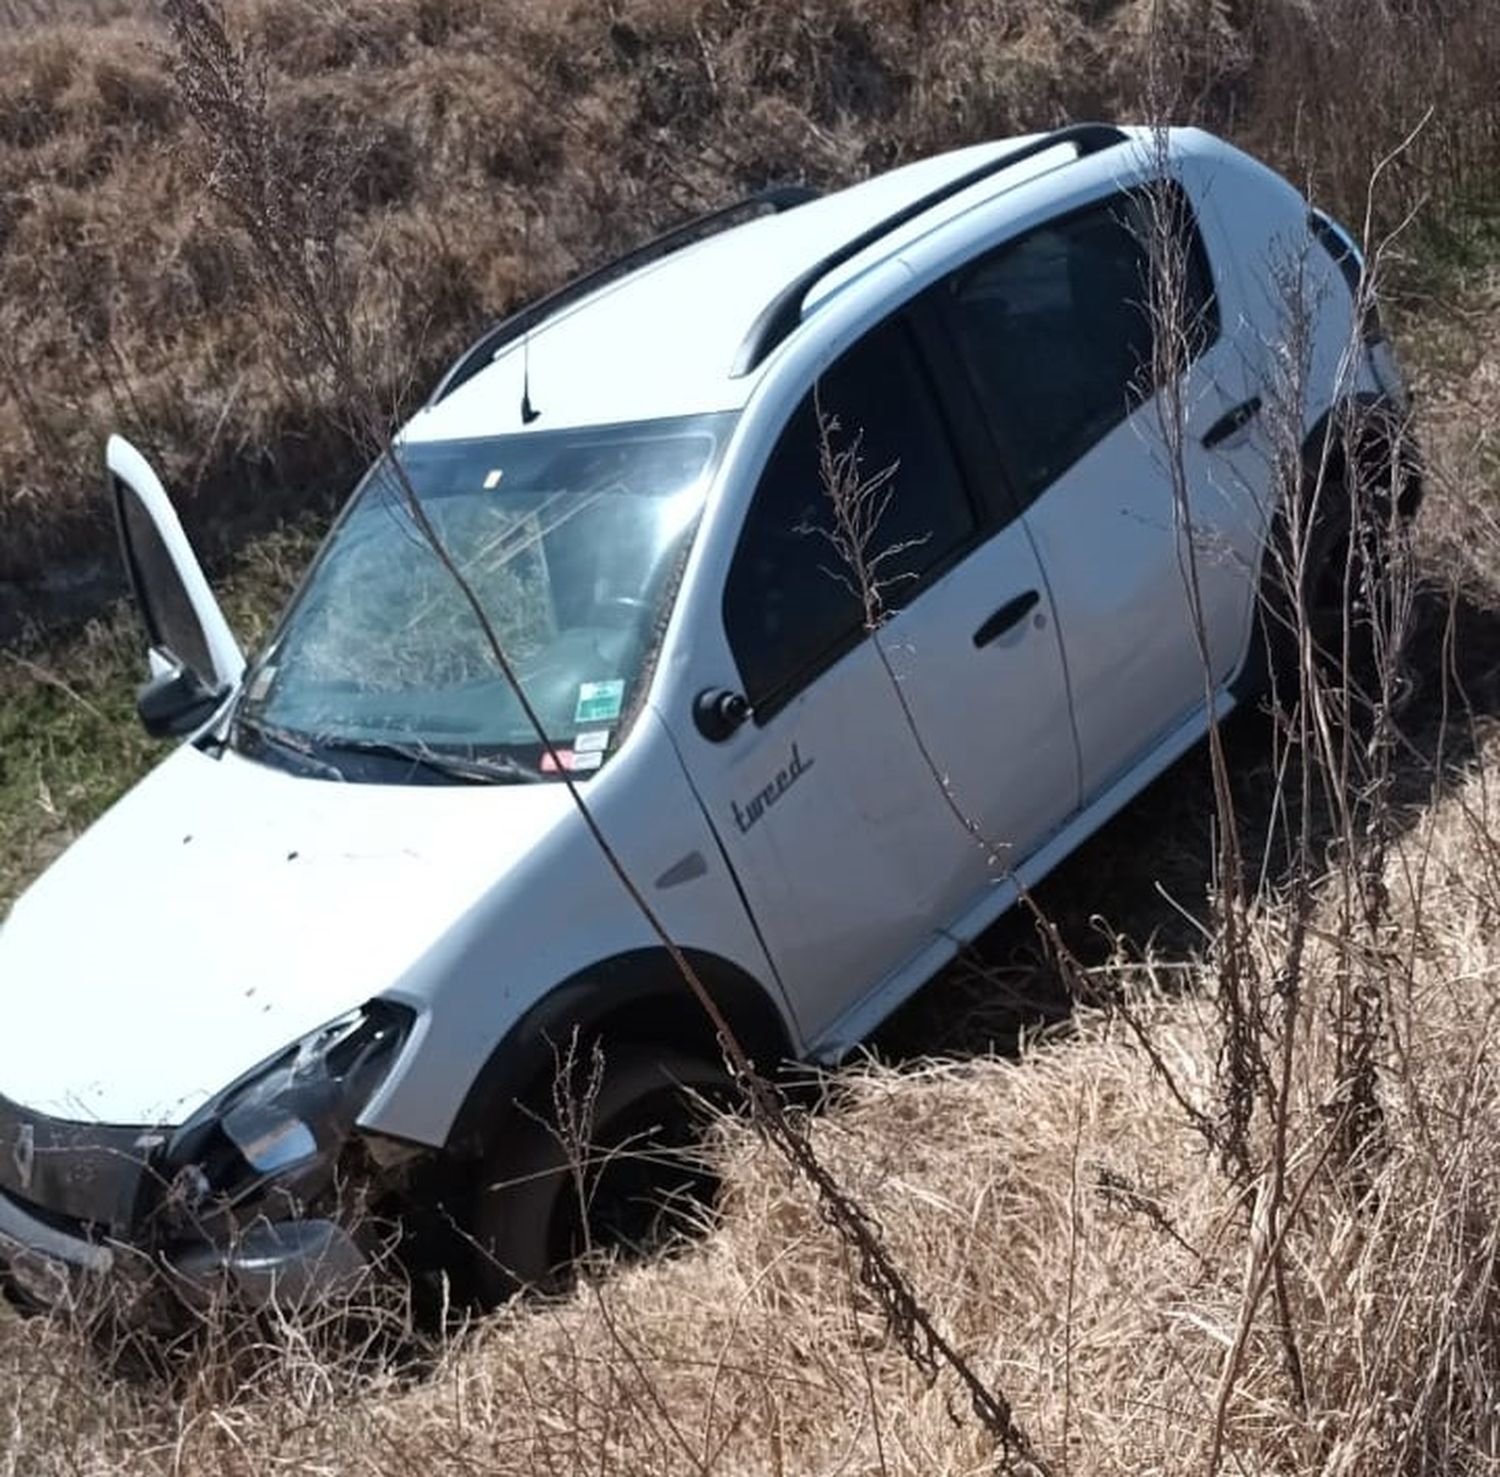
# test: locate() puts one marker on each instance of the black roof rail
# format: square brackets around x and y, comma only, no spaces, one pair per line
[775,199]
[781,317]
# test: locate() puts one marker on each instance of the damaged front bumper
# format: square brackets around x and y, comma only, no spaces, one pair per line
[282,1264]
[248,1200]
[52,1263]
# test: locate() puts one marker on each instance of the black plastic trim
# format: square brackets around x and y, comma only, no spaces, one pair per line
[118,491]
[776,200]
[1231,424]
[782,316]
[1345,256]
[1007,618]
[90,1174]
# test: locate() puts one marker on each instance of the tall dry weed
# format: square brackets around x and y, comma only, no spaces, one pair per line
[495,150]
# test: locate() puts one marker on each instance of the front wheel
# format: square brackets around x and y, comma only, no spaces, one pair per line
[629,1180]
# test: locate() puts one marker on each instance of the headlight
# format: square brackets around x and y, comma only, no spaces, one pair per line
[283,1124]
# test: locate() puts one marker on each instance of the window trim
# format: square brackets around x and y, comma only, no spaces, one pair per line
[939,297]
[935,383]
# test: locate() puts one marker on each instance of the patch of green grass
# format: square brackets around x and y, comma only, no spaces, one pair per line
[70,742]
[1454,244]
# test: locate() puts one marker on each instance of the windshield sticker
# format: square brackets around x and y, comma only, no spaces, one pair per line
[493,480]
[599,702]
[261,684]
[595,741]
[570,762]
[759,803]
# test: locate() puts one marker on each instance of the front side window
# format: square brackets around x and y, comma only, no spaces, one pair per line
[790,603]
[171,622]
[573,543]
[1056,331]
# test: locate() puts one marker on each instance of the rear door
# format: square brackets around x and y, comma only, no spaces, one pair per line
[1152,591]
[185,629]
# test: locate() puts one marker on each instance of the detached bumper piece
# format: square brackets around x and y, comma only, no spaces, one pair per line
[285,1264]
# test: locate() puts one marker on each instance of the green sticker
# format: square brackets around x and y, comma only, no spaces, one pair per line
[599,702]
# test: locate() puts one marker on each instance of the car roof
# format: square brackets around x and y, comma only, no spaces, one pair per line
[662,341]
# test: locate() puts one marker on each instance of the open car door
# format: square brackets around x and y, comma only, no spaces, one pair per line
[195,660]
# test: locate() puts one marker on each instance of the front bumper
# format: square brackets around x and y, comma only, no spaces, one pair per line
[282,1264]
[42,1266]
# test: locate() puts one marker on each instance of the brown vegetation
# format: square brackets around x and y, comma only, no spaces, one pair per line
[1093,1225]
[490,150]
[1064,1226]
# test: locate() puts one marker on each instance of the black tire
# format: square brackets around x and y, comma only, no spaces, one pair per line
[1337,581]
[641,1183]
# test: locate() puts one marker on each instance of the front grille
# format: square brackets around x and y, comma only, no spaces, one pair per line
[90,1174]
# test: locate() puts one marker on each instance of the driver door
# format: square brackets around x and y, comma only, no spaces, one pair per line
[195,661]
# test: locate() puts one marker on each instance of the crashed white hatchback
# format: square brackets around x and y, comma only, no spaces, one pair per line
[325,955]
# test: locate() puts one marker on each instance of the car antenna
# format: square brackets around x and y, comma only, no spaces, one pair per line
[529,412]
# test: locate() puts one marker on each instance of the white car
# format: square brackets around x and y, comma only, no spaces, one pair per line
[329,950]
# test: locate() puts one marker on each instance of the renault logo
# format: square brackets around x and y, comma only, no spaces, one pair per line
[23,1155]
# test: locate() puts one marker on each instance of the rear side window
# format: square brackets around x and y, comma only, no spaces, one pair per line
[790,603]
[1056,332]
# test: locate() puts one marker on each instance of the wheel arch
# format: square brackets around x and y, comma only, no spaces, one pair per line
[639,996]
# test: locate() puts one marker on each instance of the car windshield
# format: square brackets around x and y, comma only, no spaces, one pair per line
[572,541]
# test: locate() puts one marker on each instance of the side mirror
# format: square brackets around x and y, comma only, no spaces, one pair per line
[175,701]
[719,713]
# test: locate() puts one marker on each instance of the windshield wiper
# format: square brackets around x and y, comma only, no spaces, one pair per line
[493,770]
[289,743]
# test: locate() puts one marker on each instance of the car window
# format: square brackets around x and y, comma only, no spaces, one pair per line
[1055,331]
[171,622]
[790,603]
[572,541]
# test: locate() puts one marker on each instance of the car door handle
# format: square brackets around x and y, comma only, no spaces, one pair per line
[1011,614]
[1227,425]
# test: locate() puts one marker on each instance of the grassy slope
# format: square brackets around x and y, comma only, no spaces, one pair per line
[753,1353]
[1054,1210]
[483,151]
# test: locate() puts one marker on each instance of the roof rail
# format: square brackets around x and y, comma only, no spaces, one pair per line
[781,317]
[478,356]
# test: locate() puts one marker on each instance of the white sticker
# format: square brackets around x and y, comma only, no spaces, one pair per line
[262,683]
[583,763]
[600,702]
[493,480]
[596,741]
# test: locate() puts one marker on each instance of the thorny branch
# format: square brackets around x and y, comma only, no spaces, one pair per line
[290,218]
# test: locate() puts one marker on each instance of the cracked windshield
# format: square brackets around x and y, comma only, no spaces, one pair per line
[572,541]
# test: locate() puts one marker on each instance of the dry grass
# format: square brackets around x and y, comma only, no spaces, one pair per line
[492,149]
[1064,1223]
[1065,1228]
[1062,1220]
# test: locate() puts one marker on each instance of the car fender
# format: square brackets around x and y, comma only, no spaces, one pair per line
[640,995]
[555,929]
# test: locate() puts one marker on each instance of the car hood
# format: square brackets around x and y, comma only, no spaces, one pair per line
[221,910]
